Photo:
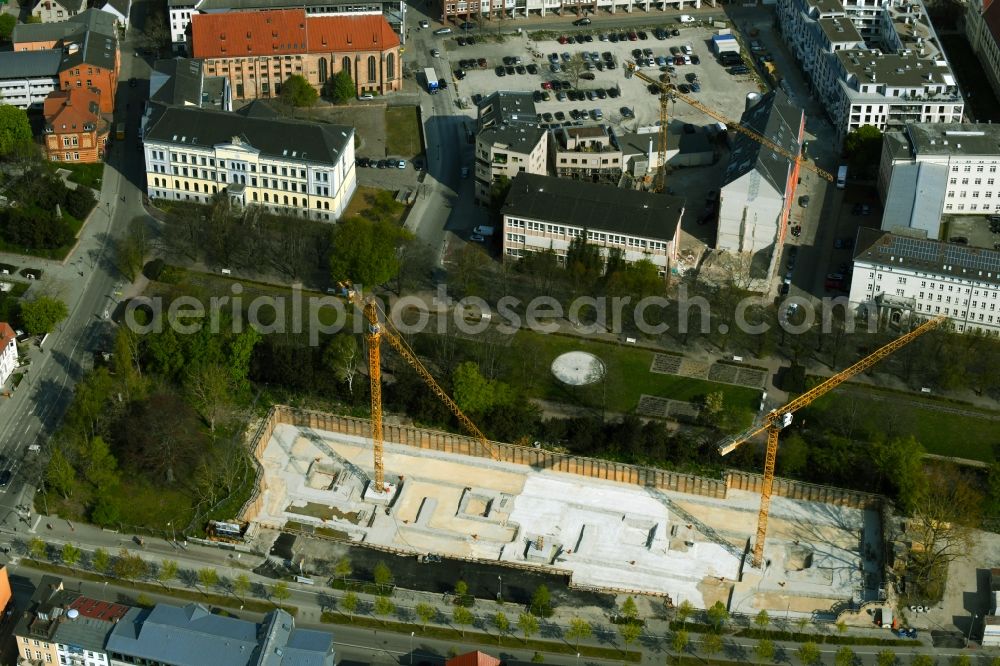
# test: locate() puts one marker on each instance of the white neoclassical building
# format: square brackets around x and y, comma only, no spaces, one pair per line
[288,167]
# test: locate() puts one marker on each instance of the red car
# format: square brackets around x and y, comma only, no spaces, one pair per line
[632,36]
[547,85]
[563,39]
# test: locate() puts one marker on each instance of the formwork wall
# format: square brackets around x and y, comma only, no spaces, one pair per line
[799,490]
[436,440]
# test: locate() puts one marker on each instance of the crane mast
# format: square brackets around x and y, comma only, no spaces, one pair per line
[383,329]
[778,419]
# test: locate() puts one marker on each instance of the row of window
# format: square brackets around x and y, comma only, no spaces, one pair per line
[276,206]
[596,236]
[968,168]
[984,206]
[962,194]
[976,181]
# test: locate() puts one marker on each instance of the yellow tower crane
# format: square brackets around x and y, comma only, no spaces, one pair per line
[780,418]
[383,329]
[669,92]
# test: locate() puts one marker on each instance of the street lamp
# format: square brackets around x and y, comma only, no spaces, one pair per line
[499,587]
[411,647]
[577,659]
[173,535]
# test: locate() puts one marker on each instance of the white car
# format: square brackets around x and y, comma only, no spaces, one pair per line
[425,24]
[366,97]
[400,164]
[477,238]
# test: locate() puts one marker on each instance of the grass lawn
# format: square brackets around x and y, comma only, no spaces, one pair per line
[402,132]
[212,284]
[89,175]
[363,199]
[628,376]
[58,253]
[939,432]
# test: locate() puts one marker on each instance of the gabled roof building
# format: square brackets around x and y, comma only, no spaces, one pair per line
[759,183]
[544,213]
[291,167]
[259,50]
[74,130]
[27,77]
[88,47]
[192,636]
[181,11]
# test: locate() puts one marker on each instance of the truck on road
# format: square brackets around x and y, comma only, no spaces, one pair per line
[432,80]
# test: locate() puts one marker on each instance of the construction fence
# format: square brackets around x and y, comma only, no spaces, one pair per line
[539,459]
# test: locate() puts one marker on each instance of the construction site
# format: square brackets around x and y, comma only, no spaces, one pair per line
[606,535]
[605,526]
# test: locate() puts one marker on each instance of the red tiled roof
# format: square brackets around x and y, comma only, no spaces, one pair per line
[99,610]
[73,108]
[473,659]
[6,335]
[350,33]
[286,32]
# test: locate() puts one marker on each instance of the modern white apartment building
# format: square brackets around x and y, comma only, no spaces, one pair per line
[463,10]
[27,77]
[547,213]
[930,170]
[982,29]
[896,275]
[289,167]
[874,63]
[509,141]
[8,352]
[180,12]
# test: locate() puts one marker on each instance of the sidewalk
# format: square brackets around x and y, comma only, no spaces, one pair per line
[311,601]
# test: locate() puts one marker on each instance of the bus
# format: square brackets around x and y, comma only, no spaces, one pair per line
[120,131]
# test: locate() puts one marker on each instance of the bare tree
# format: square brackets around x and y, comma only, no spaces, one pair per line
[945,516]
[210,387]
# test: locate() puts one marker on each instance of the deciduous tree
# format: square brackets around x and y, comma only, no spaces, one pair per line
[679,641]
[528,624]
[70,554]
[764,649]
[340,87]
[502,623]
[711,644]
[280,592]
[15,131]
[366,252]
[42,314]
[383,606]
[808,654]
[101,561]
[845,657]
[462,617]
[208,578]
[425,612]
[349,603]
[343,357]
[579,630]
[297,91]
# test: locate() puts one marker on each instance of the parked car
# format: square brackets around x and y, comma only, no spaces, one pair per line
[443,31]
[804,201]
[582,21]
[627,112]
[587,76]
[425,24]
[532,68]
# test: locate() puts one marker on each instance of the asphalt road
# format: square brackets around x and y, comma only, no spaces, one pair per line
[446,211]
[87,281]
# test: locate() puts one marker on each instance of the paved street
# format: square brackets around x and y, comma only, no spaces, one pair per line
[87,281]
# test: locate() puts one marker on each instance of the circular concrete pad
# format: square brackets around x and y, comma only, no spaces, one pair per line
[578,368]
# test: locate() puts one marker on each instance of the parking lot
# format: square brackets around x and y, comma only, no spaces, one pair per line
[719,91]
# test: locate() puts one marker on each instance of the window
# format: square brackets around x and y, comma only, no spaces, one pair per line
[371,68]
[390,66]
[345,65]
